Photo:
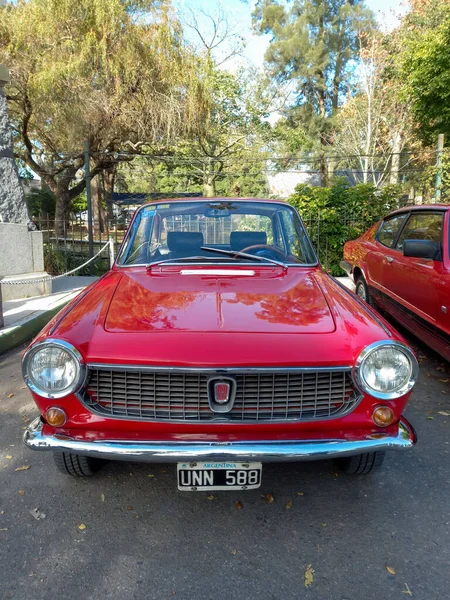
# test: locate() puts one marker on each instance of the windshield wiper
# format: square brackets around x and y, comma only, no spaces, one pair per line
[181,259]
[237,253]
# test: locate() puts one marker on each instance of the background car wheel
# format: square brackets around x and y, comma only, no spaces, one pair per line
[362,290]
[76,465]
[361,464]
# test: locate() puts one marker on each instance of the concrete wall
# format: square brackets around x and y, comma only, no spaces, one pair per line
[21,251]
[283,184]
[21,257]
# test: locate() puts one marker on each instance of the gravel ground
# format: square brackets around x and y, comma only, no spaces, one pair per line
[382,536]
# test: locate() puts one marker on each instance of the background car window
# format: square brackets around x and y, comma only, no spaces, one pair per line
[389,230]
[422,226]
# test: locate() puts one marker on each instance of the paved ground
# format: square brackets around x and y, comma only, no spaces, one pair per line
[145,540]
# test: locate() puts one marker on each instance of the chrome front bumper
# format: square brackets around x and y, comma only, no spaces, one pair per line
[171,452]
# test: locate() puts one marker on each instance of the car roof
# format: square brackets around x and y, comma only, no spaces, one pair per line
[416,207]
[219,199]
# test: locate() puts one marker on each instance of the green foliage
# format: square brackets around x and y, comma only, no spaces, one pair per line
[425,66]
[427,180]
[58,260]
[41,202]
[338,213]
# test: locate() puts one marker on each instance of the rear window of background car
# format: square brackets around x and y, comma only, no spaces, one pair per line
[389,230]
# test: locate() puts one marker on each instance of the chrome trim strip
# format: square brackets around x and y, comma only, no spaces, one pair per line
[218,272]
[231,370]
[265,451]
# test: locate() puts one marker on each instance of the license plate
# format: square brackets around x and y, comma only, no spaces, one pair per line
[201,476]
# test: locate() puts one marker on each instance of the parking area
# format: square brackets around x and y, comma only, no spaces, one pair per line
[308,532]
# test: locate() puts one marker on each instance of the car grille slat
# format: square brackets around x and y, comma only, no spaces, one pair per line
[182,395]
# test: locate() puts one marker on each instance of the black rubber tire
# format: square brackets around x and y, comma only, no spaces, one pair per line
[362,291]
[361,464]
[76,465]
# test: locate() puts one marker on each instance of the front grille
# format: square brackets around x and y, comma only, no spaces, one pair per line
[182,395]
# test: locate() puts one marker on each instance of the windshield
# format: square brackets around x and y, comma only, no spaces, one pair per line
[198,231]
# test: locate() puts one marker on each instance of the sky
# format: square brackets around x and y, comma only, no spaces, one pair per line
[239,12]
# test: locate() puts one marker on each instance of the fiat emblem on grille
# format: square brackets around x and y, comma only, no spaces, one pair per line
[222,392]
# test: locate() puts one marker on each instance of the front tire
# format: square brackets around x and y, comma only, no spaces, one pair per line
[362,291]
[76,465]
[361,464]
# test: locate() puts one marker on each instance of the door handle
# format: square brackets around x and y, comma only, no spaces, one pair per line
[389,259]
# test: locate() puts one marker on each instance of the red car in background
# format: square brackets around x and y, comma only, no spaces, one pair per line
[402,265]
[218,342]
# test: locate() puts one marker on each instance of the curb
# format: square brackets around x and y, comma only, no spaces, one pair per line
[16,335]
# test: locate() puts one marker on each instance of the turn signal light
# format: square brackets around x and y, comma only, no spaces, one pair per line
[55,417]
[383,416]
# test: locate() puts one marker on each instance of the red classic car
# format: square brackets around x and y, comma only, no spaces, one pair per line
[218,342]
[402,265]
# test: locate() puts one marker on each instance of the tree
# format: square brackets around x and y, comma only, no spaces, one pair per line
[374,126]
[116,73]
[424,60]
[313,49]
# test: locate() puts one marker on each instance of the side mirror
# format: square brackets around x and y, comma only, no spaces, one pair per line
[422,249]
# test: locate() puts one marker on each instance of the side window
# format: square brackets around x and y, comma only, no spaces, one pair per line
[422,226]
[389,229]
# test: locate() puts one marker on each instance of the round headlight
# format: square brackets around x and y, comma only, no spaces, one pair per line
[53,368]
[386,370]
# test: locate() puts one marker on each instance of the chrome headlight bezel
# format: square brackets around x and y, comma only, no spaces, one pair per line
[72,351]
[400,390]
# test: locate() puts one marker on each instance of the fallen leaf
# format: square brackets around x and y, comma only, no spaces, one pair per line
[9,457]
[269,498]
[10,395]
[289,505]
[102,497]
[234,552]
[23,387]
[390,570]
[444,380]
[129,507]
[151,475]
[300,493]
[24,468]
[324,524]
[82,526]
[37,514]
[430,418]
[407,591]
[444,413]
[239,505]
[21,492]
[309,576]
[4,529]
[210,497]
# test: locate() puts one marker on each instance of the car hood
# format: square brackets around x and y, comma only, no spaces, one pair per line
[267,300]
[165,318]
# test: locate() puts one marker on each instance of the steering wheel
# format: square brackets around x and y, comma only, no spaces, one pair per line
[266,251]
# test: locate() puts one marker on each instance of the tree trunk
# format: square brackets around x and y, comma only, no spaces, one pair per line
[209,180]
[395,162]
[98,210]
[209,187]
[109,178]
[61,210]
